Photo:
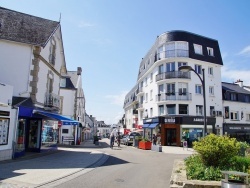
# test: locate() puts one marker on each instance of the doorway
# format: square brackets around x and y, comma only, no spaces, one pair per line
[33,139]
[171,137]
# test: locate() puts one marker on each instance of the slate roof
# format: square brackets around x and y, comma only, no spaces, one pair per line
[234,88]
[22,101]
[24,28]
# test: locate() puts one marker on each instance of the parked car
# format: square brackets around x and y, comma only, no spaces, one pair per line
[128,139]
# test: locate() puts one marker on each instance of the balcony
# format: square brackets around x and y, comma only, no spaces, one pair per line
[171,53]
[173,74]
[139,91]
[174,97]
[52,101]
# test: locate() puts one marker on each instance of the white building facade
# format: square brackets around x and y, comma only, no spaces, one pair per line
[169,102]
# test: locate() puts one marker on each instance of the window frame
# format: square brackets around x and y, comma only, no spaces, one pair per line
[198,49]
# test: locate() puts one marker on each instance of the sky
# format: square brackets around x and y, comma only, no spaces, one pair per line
[108,39]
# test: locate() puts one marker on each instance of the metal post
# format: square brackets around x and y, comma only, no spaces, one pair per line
[204,100]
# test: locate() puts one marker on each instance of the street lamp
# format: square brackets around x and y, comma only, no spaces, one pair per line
[187,68]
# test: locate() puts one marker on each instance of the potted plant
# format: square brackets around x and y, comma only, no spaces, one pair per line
[145,144]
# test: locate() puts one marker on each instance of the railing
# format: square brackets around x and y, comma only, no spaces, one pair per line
[139,90]
[52,100]
[172,53]
[176,96]
[173,74]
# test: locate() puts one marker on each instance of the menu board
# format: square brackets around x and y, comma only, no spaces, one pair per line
[4,131]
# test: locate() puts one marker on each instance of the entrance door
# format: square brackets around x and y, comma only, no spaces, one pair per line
[34,135]
[171,137]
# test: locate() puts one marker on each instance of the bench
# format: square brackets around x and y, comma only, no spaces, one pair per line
[68,139]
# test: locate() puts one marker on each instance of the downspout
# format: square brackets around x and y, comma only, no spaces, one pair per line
[14,132]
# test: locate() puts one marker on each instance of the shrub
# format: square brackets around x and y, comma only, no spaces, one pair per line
[240,163]
[195,169]
[217,151]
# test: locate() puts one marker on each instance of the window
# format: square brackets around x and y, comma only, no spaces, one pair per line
[248,117]
[183,109]
[151,112]
[210,71]
[151,77]
[160,53]
[161,69]
[226,112]
[141,100]
[161,88]
[161,110]
[171,88]
[63,82]
[141,114]
[198,89]
[146,81]
[171,109]
[170,67]
[211,90]
[212,111]
[234,115]
[199,110]
[210,51]
[52,56]
[233,96]
[182,88]
[181,64]
[247,98]
[146,100]
[198,49]
[198,69]
[151,95]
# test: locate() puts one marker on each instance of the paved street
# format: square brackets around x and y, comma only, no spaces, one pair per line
[74,167]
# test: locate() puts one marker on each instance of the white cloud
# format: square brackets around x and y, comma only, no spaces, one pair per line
[117,99]
[231,75]
[245,51]
[83,24]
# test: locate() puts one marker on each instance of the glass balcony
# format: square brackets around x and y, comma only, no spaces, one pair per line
[173,97]
[173,74]
[171,53]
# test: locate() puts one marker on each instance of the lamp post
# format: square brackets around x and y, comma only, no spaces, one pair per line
[187,68]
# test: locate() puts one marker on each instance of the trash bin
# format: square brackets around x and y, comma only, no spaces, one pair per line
[230,183]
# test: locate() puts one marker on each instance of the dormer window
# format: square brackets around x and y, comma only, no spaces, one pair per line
[198,49]
[210,51]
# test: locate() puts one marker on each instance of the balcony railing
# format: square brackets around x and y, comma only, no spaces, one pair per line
[139,90]
[176,96]
[172,53]
[52,101]
[173,74]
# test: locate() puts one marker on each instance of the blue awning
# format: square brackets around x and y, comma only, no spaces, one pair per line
[145,125]
[65,120]
[153,125]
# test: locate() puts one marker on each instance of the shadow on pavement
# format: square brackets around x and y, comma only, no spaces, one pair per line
[114,161]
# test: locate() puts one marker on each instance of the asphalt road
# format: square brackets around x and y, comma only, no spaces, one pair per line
[127,167]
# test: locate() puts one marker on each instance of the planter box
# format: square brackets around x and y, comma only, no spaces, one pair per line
[157,148]
[145,145]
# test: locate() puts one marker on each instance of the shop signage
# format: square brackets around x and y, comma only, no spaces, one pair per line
[4,113]
[169,120]
[198,119]
[148,120]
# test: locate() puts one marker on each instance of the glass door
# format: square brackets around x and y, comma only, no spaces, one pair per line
[34,134]
[171,137]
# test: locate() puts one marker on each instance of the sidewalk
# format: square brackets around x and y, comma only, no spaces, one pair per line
[43,168]
[177,150]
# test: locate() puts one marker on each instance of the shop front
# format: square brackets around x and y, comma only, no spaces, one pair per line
[176,129]
[239,131]
[151,126]
[37,130]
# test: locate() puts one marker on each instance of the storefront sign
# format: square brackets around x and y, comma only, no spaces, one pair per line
[4,113]
[169,120]
[198,120]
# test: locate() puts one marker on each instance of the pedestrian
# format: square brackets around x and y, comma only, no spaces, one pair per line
[154,139]
[118,139]
[112,139]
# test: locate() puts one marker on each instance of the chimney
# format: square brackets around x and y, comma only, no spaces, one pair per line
[239,82]
[79,70]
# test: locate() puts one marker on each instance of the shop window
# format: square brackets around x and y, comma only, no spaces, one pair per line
[20,144]
[4,131]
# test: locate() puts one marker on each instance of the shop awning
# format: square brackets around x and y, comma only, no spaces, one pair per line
[63,119]
[153,125]
[144,126]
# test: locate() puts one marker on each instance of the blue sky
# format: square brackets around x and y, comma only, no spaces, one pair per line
[108,39]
